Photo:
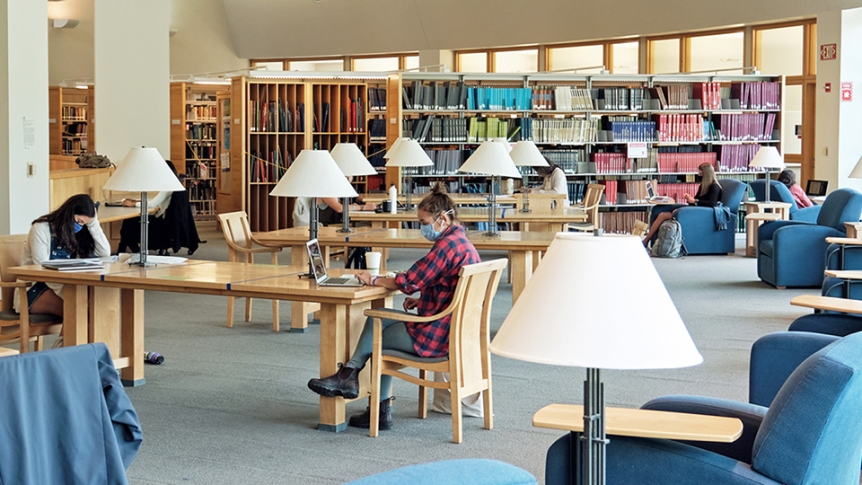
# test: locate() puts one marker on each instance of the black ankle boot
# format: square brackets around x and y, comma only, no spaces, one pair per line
[343,383]
[363,420]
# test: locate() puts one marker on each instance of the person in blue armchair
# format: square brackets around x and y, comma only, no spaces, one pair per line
[709,195]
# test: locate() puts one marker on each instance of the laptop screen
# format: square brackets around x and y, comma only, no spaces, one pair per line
[650,191]
[316,258]
[816,188]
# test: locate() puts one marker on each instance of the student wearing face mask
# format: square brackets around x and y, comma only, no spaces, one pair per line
[434,277]
[71,231]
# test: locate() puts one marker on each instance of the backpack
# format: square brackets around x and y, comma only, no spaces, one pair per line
[92,160]
[668,242]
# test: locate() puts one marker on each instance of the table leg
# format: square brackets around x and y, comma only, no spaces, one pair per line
[104,315]
[133,336]
[751,237]
[75,315]
[299,310]
[340,326]
[522,269]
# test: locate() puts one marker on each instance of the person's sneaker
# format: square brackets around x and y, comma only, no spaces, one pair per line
[58,344]
[343,383]
[363,420]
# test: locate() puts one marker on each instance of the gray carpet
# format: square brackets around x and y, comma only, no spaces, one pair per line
[231,406]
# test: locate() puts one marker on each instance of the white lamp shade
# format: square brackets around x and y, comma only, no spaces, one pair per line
[313,174]
[408,153]
[505,143]
[596,302]
[394,148]
[350,160]
[856,173]
[491,158]
[143,170]
[767,157]
[527,154]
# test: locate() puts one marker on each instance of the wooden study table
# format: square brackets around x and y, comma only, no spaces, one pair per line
[458,199]
[341,315]
[520,245]
[643,423]
[554,220]
[829,303]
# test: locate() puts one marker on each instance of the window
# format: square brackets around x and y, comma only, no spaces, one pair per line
[720,51]
[473,62]
[561,58]
[318,65]
[375,64]
[268,65]
[664,56]
[411,62]
[625,58]
[516,61]
[781,50]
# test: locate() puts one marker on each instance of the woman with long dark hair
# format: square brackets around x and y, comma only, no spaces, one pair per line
[71,231]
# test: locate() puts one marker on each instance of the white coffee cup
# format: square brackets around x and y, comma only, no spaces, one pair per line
[372,262]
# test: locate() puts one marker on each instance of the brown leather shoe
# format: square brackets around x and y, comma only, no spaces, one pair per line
[363,420]
[343,383]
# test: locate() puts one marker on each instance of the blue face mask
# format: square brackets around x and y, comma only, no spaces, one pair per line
[428,231]
[77,227]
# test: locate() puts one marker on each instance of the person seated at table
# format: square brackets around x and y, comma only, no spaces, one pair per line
[71,231]
[434,277]
[553,181]
[788,178]
[709,195]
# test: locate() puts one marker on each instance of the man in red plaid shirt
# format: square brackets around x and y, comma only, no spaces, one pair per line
[434,277]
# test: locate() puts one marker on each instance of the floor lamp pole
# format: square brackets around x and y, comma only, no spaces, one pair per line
[145,237]
[595,442]
[312,229]
[768,186]
[345,212]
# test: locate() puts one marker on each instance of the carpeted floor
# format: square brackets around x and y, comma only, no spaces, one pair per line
[231,406]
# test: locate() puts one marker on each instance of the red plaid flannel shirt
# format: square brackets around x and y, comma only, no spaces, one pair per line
[435,277]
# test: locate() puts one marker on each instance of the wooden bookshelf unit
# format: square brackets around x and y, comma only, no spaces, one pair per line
[70,122]
[194,142]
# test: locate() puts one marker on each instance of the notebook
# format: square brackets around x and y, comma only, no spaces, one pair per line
[319,269]
[816,188]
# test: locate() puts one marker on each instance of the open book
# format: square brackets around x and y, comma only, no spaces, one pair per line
[74,265]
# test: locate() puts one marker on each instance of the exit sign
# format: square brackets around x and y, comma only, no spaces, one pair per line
[828,52]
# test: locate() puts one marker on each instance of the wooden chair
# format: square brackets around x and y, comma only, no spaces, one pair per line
[591,206]
[241,248]
[469,360]
[23,326]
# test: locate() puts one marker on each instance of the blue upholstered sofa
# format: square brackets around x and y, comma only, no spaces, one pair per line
[793,253]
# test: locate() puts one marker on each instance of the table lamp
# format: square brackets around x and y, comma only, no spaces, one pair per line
[313,174]
[527,154]
[407,153]
[767,158]
[143,170]
[491,158]
[565,320]
[352,162]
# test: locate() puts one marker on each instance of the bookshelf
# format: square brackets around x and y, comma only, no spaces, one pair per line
[194,142]
[70,112]
[274,118]
[616,130]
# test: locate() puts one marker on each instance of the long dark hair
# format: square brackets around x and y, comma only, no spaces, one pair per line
[547,171]
[62,222]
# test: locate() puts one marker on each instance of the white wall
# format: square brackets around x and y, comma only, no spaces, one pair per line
[23,113]
[70,51]
[131,73]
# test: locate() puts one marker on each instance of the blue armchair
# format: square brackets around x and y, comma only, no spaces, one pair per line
[810,434]
[699,233]
[793,253]
[848,257]
[780,193]
[452,472]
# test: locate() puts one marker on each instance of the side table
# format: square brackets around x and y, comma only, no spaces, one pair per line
[756,213]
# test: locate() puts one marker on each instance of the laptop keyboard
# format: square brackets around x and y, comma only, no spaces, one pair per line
[339,281]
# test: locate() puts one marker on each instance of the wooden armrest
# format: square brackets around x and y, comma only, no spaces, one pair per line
[15,284]
[265,249]
[405,316]
[845,241]
[256,241]
[844,274]
[842,305]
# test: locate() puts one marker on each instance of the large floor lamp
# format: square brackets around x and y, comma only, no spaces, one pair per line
[143,170]
[491,158]
[352,162]
[580,322]
[767,158]
[407,153]
[313,174]
[527,154]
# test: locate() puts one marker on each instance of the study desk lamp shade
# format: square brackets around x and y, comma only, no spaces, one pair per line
[505,142]
[491,158]
[767,158]
[143,170]
[856,173]
[314,173]
[352,162]
[407,153]
[526,154]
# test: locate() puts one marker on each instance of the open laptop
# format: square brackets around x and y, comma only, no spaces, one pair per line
[816,188]
[319,269]
[652,196]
